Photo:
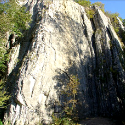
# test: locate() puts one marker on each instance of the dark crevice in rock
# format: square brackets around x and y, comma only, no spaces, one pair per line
[108,32]
[93,24]
[93,45]
[84,27]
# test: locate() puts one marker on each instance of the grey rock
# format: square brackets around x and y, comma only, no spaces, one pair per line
[62,40]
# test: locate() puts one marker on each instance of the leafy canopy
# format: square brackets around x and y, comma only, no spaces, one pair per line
[3,95]
[13,19]
[90,12]
[85,3]
[100,5]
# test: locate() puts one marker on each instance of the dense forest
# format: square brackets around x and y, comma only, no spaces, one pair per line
[15,21]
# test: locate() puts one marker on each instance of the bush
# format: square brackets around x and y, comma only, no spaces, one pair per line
[113,18]
[85,3]
[69,114]
[90,12]
[13,18]
[100,5]
[1,123]
[3,95]
[114,21]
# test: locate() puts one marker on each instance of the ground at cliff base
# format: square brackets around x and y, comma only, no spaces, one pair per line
[99,121]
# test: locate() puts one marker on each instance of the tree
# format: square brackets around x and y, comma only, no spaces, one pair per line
[13,19]
[85,3]
[3,95]
[100,5]
[114,20]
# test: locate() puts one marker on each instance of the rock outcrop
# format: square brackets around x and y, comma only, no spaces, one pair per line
[63,40]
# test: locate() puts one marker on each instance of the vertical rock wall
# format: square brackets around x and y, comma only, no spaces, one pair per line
[63,40]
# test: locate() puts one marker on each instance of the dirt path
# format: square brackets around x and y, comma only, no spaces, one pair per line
[97,121]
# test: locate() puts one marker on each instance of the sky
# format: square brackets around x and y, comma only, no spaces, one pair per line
[113,6]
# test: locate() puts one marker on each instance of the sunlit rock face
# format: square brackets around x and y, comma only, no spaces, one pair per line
[63,41]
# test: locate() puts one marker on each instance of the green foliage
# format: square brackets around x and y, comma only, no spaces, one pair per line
[116,30]
[13,18]
[113,18]
[3,58]
[100,5]
[58,120]
[3,95]
[69,113]
[85,3]
[111,15]
[63,121]
[115,23]
[1,123]
[90,12]
[70,91]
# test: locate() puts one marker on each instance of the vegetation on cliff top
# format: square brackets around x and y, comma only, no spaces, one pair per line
[88,4]
[113,16]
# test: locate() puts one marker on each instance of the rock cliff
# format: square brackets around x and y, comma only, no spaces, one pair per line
[63,40]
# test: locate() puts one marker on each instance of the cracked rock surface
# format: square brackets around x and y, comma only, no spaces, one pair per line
[63,38]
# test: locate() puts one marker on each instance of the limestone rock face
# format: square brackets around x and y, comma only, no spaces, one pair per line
[121,24]
[63,40]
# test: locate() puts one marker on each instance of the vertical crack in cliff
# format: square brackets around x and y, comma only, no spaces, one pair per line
[52,47]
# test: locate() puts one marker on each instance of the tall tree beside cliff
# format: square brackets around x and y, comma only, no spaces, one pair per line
[13,19]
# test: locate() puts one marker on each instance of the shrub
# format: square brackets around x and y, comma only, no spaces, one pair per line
[1,123]
[71,91]
[3,95]
[100,5]
[90,12]
[69,114]
[85,3]
[13,18]
[113,18]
